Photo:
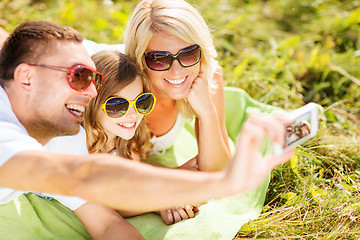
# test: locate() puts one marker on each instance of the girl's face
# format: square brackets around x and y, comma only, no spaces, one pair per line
[176,82]
[125,126]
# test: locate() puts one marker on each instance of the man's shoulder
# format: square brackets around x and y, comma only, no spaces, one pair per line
[13,138]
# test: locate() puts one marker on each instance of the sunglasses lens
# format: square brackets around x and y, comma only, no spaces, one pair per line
[161,60]
[145,103]
[158,60]
[98,81]
[81,78]
[190,56]
[117,107]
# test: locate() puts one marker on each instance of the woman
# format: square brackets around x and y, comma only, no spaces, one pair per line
[187,85]
[172,45]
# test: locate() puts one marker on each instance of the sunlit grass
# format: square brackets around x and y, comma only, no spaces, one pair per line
[317,196]
[285,53]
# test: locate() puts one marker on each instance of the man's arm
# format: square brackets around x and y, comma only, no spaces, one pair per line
[104,179]
[133,186]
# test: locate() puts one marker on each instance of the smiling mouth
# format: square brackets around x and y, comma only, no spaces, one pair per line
[175,81]
[127,125]
[75,109]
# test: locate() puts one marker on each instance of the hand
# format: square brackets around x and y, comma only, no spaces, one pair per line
[248,163]
[199,95]
[175,215]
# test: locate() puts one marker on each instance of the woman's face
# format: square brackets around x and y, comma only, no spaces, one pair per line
[125,126]
[176,82]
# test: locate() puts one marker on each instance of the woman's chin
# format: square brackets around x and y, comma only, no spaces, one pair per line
[178,95]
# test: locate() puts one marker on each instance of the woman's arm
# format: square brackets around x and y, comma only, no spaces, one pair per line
[210,129]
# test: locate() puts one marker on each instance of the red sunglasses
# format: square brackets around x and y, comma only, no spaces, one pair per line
[79,76]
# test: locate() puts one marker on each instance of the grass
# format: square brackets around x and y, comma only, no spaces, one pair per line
[285,53]
[316,195]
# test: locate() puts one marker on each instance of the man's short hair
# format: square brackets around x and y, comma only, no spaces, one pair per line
[29,41]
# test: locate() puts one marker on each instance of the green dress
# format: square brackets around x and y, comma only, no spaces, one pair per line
[217,219]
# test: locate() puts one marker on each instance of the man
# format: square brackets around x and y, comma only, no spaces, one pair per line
[47,79]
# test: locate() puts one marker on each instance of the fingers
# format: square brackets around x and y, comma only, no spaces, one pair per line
[248,162]
[167,216]
[251,136]
[189,211]
[199,88]
[273,126]
[175,215]
[186,212]
[284,119]
[276,160]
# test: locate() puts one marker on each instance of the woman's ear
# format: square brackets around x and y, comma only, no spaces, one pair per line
[23,75]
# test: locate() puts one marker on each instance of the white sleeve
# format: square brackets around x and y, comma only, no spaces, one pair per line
[13,139]
[72,203]
[74,144]
[93,47]
[13,136]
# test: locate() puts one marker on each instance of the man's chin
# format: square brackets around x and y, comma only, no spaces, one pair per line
[72,131]
[66,131]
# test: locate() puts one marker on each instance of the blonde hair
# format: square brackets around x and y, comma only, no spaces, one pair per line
[175,17]
[118,71]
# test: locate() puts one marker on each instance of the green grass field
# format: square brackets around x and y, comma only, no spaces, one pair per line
[282,52]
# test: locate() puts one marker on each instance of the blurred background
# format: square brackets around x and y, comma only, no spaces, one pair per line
[282,52]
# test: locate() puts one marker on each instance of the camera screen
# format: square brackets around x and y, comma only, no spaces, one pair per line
[300,129]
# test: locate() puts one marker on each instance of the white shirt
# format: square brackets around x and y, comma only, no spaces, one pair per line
[164,142]
[14,139]
[93,47]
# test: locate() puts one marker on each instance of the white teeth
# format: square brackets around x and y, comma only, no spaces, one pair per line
[127,125]
[76,109]
[175,81]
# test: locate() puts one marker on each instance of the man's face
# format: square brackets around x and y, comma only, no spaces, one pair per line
[56,108]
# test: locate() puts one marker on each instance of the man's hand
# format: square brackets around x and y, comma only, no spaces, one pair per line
[248,163]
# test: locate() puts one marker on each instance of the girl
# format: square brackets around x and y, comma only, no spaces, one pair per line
[113,120]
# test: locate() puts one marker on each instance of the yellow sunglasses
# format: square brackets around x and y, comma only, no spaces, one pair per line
[117,107]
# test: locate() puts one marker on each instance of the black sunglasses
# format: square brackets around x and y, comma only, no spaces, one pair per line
[162,60]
